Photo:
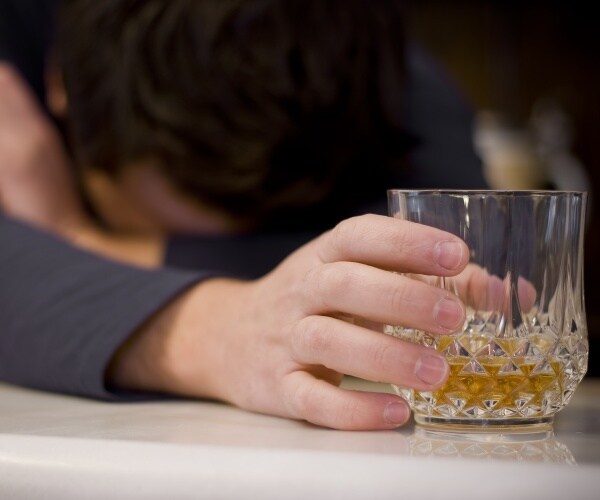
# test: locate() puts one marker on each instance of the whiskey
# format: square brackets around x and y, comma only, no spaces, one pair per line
[488,383]
[498,380]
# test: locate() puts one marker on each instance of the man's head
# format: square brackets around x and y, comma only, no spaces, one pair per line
[257,108]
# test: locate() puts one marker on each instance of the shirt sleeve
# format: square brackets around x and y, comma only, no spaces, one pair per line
[64,312]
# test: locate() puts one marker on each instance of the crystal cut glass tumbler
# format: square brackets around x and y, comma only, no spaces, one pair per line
[523,348]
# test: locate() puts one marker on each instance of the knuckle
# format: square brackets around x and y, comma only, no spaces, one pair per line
[348,412]
[350,417]
[400,297]
[305,404]
[311,287]
[336,277]
[406,239]
[382,356]
[344,234]
[414,245]
[344,414]
[329,282]
[299,402]
[339,410]
[310,338]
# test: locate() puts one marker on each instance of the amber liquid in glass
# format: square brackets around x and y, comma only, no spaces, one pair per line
[494,390]
[498,381]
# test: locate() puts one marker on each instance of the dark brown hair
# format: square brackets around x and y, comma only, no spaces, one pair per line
[258,107]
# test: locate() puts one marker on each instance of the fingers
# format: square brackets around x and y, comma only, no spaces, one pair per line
[480,289]
[527,294]
[381,296]
[363,353]
[394,244]
[321,403]
[486,291]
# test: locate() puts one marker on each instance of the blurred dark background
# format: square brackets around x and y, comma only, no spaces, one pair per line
[531,70]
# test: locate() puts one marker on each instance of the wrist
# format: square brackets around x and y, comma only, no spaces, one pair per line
[181,349]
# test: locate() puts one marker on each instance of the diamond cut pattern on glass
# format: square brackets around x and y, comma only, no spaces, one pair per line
[502,378]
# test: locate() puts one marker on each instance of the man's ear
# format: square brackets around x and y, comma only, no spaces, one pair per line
[56,95]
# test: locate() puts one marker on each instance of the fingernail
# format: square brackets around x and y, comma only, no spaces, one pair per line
[449,254]
[395,413]
[431,369]
[448,313]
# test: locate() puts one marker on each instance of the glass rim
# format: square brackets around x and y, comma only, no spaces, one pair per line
[488,192]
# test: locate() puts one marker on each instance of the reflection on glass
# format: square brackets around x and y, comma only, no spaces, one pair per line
[540,447]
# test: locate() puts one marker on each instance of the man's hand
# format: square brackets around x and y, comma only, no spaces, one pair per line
[280,345]
[36,184]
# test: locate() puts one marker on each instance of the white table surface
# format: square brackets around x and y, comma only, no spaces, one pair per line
[54,446]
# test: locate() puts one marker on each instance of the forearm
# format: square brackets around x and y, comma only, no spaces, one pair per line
[182,349]
[65,312]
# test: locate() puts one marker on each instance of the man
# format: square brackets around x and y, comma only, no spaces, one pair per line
[203,132]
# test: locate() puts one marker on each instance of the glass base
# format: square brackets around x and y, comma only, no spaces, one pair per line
[512,425]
